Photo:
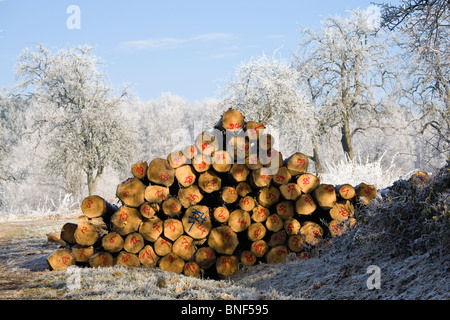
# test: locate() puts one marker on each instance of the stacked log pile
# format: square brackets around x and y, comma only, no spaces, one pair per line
[228,200]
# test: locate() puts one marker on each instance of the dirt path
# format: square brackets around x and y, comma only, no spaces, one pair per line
[23,253]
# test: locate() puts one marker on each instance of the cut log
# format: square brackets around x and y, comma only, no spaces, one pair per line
[61,259]
[147,257]
[176,159]
[223,240]
[247,203]
[82,253]
[311,232]
[336,228]
[340,212]
[112,242]
[248,258]
[197,222]
[126,220]
[173,228]
[68,232]
[101,259]
[259,248]
[134,242]
[239,172]
[420,179]
[365,193]
[95,206]
[254,130]
[305,205]
[282,176]
[221,214]
[172,263]
[229,194]
[148,210]
[184,247]
[277,254]
[260,213]
[189,153]
[221,161]
[266,141]
[206,143]
[162,246]
[239,220]
[261,177]
[272,159]
[172,207]
[232,120]
[308,182]
[325,196]
[191,269]
[297,163]
[139,169]
[86,234]
[161,172]
[256,231]
[296,243]
[226,266]
[205,257]
[278,238]
[131,192]
[290,191]
[268,196]
[253,162]
[189,196]
[156,194]
[292,226]
[274,223]
[238,148]
[151,229]
[185,175]
[201,163]
[209,181]
[243,188]
[346,191]
[285,209]
[127,259]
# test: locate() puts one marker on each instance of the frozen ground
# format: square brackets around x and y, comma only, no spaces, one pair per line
[334,273]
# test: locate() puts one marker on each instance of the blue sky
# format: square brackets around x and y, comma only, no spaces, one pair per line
[185,47]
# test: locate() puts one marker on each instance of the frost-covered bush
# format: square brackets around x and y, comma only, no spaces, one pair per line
[408,219]
[356,171]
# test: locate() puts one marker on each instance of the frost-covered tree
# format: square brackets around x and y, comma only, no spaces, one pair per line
[346,68]
[79,117]
[425,26]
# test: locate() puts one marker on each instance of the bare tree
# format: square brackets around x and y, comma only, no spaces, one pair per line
[76,112]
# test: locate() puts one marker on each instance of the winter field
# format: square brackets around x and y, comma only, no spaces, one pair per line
[404,232]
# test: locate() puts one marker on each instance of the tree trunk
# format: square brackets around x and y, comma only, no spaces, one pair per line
[346,140]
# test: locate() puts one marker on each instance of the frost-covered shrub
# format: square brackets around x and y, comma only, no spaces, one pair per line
[408,219]
[356,171]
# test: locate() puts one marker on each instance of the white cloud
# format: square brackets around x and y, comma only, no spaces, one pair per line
[171,43]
